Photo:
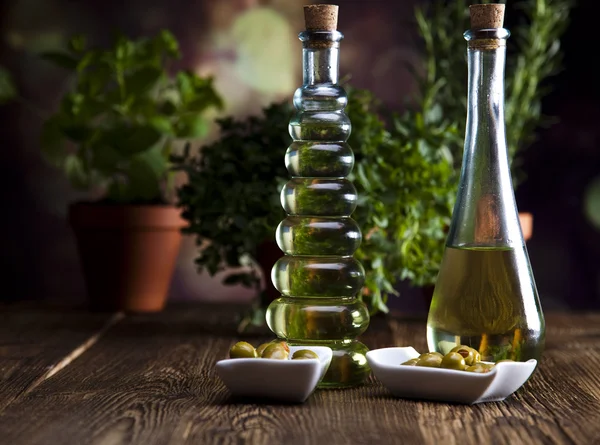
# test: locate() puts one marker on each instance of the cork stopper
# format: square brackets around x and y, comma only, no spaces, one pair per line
[321,17]
[487,16]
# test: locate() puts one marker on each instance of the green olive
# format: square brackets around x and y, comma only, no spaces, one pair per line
[468,354]
[275,351]
[281,343]
[302,354]
[438,354]
[261,348]
[471,355]
[476,355]
[479,368]
[430,360]
[242,349]
[453,360]
[411,362]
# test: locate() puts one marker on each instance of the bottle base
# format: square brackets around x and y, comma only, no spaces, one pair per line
[517,344]
[348,366]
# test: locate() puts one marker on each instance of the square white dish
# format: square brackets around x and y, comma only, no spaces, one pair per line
[283,380]
[446,385]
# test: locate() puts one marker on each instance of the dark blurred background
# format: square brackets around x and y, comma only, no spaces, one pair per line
[224,38]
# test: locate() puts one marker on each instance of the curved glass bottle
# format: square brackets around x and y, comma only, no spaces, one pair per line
[318,277]
[485,295]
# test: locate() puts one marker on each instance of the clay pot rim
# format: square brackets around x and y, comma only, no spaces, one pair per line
[87,215]
[526,221]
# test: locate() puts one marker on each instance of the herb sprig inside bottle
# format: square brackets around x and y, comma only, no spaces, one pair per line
[318,277]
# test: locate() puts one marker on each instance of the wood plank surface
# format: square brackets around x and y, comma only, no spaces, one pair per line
[560,404]
[37,342]
[151,380]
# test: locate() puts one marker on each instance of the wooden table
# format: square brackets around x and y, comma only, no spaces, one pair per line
[71,377]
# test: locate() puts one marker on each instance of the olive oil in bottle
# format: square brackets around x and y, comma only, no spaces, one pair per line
[318,278]
[480,300]
[485,295]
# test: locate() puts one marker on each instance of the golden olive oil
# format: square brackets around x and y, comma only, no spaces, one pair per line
[486,298]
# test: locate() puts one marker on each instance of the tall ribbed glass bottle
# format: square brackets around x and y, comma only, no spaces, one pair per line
[318,277]
[485,295]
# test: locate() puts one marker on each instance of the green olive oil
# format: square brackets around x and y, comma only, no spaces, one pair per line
[485,298]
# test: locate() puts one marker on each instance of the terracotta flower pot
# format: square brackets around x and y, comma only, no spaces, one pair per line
[128,253]
[526,220]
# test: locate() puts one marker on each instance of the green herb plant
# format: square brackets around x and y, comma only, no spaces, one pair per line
[405,172]
[231,199]
[406,186]
[8,89]
[116,126]
[404,177]
[533,56]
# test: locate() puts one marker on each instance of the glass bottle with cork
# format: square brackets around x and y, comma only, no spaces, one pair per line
[485,295]
[318,277]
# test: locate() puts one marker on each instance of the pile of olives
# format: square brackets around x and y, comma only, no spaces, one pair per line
[461,358]
[273,350]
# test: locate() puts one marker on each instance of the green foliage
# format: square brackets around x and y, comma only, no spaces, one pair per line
[406,185]
[591,202]
[232,197]
[533,55]
[405,174]
[404,179]
[116,126]
[8,90]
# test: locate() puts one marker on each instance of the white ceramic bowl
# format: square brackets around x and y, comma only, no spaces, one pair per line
[446,385]
[284,380]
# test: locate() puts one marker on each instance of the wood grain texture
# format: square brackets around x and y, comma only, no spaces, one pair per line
[35,342]
[150,380]
[560,404]
[133,386]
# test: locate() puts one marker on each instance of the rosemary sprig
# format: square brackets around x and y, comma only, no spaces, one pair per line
[534,56]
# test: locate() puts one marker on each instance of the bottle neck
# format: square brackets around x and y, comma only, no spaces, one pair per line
[320,56]
[485,139]
[485,213]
